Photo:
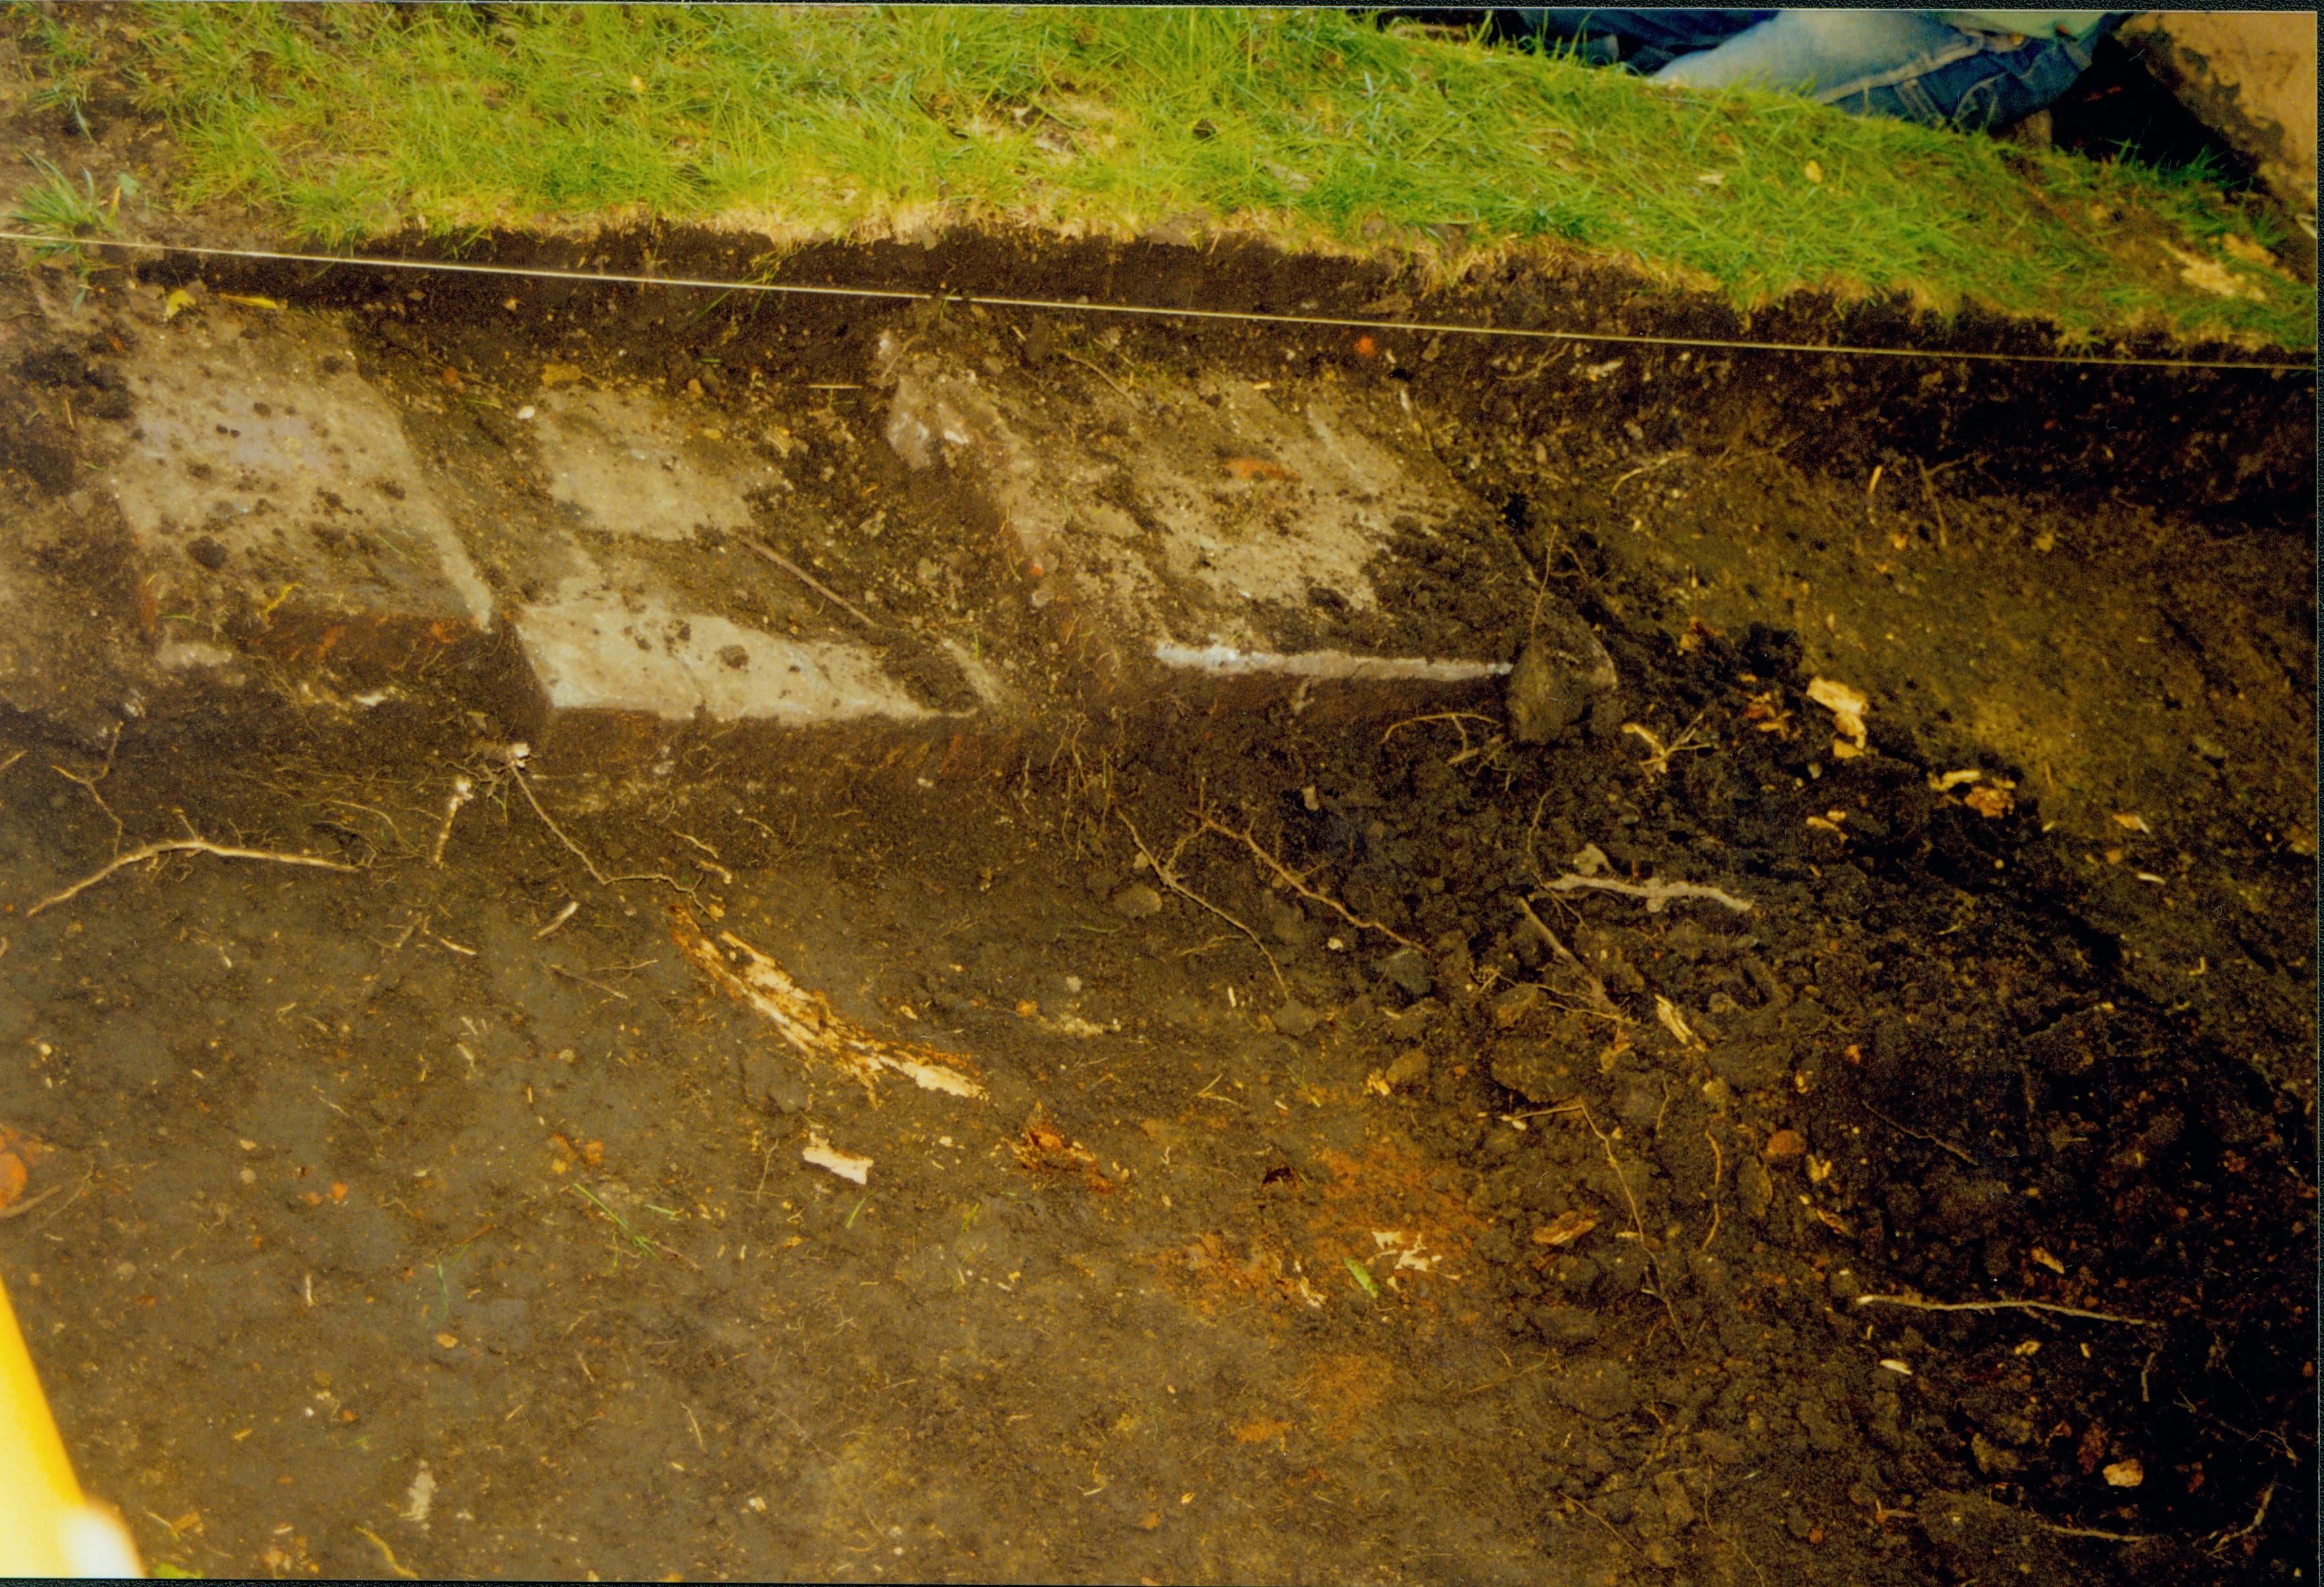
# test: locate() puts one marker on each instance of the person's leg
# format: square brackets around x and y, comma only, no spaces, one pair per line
[1644,41]
[1908,65]
[1994,89]
[1825,53]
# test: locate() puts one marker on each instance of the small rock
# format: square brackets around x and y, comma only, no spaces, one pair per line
[2211,750]
[1626,1270]
[1565,1325]
[1407,970]
[1561,676]
[1295,1019]
[1785,1144]
[772,1083]
[1288,924]
[1678,1505]
[1972,1537]
[1537,1070]
[1410,1022]
[1600,1390]
[1512,1006]
[1992,1459]
[1136,901]
[1409,1070]
[735,656]
[1719,1446]
[1749,1065]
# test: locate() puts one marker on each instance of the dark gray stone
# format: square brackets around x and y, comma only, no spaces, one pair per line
[1562,674]
[1407,970]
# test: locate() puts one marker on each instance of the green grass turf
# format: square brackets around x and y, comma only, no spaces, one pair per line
[343,124]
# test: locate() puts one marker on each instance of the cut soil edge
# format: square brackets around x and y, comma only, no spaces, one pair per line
[2253,453]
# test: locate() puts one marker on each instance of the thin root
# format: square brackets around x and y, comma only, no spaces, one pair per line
[388,1553]
[1660,754]
[1454,718]
[599,877]
[1291,879]
[1637,1223]
[2266,1496]
[1912,1304]
[1170,878]
[1718,1171]
[1656,894]
[809,579]
[178,845]
[1102,374]
[1601,1003]
[463,790]
[88,784]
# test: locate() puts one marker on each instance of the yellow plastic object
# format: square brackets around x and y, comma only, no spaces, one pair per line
[46,1528]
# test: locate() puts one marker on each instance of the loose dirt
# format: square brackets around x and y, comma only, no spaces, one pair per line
[1364,1185]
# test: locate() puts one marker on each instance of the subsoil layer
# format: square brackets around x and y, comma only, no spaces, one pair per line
[1366,1185]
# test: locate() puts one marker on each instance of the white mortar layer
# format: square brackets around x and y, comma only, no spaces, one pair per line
[631,466]
[591,650]
[1226,661]
[249,438]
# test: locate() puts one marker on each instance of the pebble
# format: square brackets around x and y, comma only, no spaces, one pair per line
[2209,749]
[1295,1019]
[1136,901]
[1407,970]
[1565,1325]
[1512,1006]
[1410,1068]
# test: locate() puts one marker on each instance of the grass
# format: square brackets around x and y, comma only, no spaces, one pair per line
[344,124]
[54,206]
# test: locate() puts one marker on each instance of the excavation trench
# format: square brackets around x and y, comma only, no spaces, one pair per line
[1404,1020]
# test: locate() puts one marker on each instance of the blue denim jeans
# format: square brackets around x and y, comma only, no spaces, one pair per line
[1643,41]
[1910,65]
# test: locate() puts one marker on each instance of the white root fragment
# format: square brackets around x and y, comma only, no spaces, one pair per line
[822,1153]
[181,845]
[463,790]
[805,1018]
[1654,894]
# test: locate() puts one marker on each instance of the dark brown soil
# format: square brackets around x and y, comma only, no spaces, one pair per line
[359,1178]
